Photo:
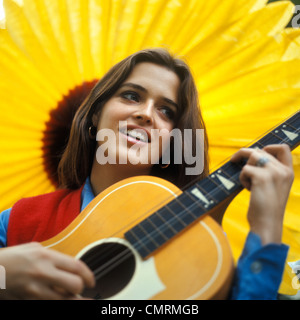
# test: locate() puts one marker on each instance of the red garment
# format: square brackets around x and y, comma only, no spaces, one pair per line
[42,217]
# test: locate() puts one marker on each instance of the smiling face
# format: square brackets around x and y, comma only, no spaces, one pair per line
[140,91]
[146,100]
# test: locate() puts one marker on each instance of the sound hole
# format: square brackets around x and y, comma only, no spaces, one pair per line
[113,265]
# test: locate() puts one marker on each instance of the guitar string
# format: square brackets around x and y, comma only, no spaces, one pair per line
[112,263]
[123,256]
[141,243]
[175,217]
[118,259]
[210,194]
[160,230]
[166,223]
[115,261]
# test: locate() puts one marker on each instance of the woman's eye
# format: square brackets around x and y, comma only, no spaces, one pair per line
[132,96]
[168,112]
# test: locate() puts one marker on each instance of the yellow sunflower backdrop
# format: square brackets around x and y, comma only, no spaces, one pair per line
[245,61]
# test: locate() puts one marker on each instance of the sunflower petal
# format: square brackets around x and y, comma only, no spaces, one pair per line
[245,61]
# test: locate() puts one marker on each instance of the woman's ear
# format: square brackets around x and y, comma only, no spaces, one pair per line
[95,120]
[97,114]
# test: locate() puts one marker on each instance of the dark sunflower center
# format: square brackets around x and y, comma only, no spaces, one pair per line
[56,134]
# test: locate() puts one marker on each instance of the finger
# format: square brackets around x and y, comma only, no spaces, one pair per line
[65,283]
[239,155]
[76,267]
[250,156]
[247,175]
[69,296]
[41,291]
[245,178]
[257,155]
[52,294]
[242,154]
[252,175]
[281,152]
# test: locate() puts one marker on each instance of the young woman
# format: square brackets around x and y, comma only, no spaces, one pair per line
[150,90]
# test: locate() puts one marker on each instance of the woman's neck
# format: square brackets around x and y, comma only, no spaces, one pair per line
[103,176]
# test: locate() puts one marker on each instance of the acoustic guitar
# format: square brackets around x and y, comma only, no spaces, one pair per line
[145,239]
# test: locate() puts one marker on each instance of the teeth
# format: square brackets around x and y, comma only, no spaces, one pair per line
[137,134]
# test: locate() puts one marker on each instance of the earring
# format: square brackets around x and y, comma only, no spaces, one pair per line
[92,132]
[164,166]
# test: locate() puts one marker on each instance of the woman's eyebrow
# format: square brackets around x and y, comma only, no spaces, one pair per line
[134,86]
[138,87]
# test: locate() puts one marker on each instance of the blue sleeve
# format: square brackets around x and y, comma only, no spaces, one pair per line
[259,270]
[4,217]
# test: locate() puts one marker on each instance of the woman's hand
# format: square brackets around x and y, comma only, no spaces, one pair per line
[270,185]
[34,272]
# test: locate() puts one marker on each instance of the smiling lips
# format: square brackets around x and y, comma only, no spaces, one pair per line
[137,134]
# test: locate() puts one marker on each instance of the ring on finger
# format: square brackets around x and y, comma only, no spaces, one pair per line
[261,162]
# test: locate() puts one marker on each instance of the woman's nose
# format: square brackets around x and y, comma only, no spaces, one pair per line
[145,113]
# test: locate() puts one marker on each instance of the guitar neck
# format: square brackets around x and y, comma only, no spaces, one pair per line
[204,195]
[287,132]
[224,182]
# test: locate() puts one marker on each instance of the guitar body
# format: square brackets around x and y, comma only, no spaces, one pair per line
[195,264]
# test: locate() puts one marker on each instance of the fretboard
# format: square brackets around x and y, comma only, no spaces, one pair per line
[204,195]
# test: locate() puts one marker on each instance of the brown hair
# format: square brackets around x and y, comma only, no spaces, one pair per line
[76,162]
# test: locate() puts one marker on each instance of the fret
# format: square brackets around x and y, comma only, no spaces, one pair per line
[259,145]
[196,196]
[137,242]
[174,217]
[228,184]
[198,199]
[145,235]
[165,227]
[270,138]
[151,233]
[281,140]
[287,132]
[150,220]
[144,238]
[288,124]
[170,229]
[189,208]
[286,135]
[209,190]
[172,222]
[176,211]
[233,169]
[229,177]
[171,216]
[294,121]
[217,185]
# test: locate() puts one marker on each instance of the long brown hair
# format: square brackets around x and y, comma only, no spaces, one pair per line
[76,162]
